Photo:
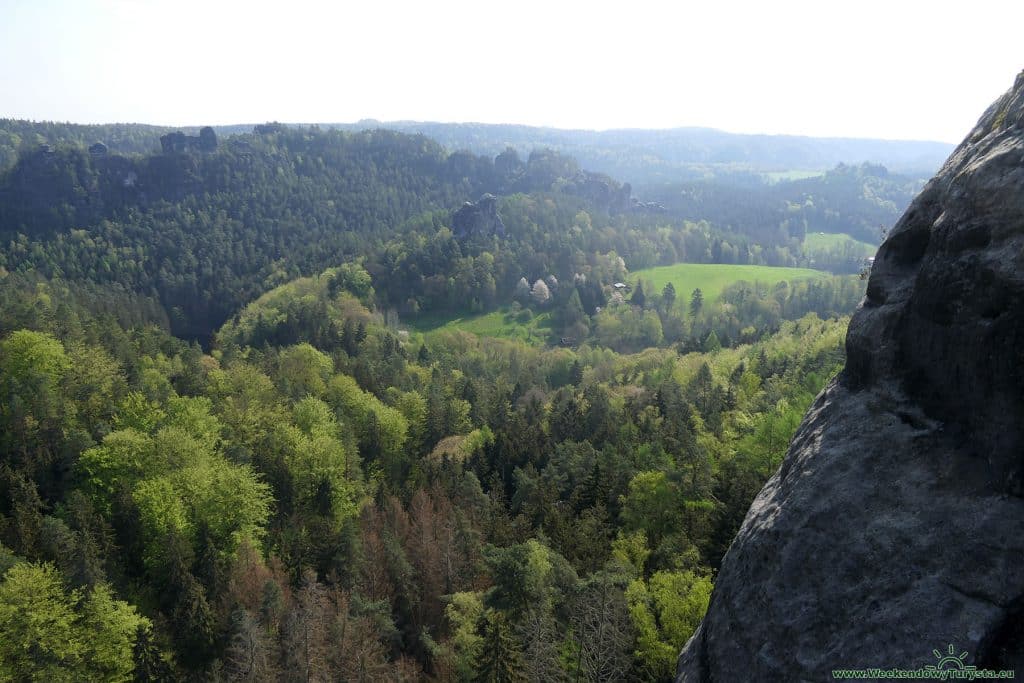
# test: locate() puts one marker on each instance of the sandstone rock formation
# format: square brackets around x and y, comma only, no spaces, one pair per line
[602,191]
[178,142]
[895,525]
[478,219]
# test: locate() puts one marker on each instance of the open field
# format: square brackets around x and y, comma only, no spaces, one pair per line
[501,323]
[712,278]
[828,241]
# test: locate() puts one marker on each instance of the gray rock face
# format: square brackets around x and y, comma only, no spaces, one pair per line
[178,142]
[478,219]
[602,191]
[895,525]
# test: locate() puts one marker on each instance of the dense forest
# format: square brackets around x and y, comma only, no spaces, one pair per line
[855,200]
[228,452]
[467,505]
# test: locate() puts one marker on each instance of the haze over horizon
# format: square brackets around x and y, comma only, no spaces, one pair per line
[910,71]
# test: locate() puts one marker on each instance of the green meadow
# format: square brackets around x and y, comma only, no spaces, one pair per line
[712,278]
[815,241]
[502,323]
[522,325]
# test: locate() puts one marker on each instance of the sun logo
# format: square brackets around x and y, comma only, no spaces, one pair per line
[949,660]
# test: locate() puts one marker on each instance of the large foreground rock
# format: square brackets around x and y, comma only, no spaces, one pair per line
[895,525]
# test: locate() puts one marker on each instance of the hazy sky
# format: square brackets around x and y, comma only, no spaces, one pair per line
[892,69]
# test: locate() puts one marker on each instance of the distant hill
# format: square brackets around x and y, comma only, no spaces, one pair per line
[856,200]
[640,157]
[656,156]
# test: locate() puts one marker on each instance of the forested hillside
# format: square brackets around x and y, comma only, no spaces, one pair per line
[860,201]
[203,231]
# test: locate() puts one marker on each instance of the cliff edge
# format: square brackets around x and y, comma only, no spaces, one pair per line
[895,525]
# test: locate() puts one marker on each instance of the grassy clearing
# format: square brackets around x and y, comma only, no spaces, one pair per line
[712,278]
[501,323]
[815,241]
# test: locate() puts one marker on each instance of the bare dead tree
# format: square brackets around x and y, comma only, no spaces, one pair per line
[602,631]
[246,658]
[305,634]
[538,633]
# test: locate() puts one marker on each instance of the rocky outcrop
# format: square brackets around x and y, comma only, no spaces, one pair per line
[271,128]
[602,191]
[895,525]
[607,194]
[478,219]
[178,142]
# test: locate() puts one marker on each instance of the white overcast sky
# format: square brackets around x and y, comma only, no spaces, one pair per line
[899,69]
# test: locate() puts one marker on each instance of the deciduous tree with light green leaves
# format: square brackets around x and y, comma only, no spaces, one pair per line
[48,633]
[317,462]
[380,429]
[303,371]
[32,368]
[464,611]
[665,612]
[228,499]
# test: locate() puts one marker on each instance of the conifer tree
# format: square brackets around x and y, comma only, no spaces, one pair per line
[500,656]
[639,298]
